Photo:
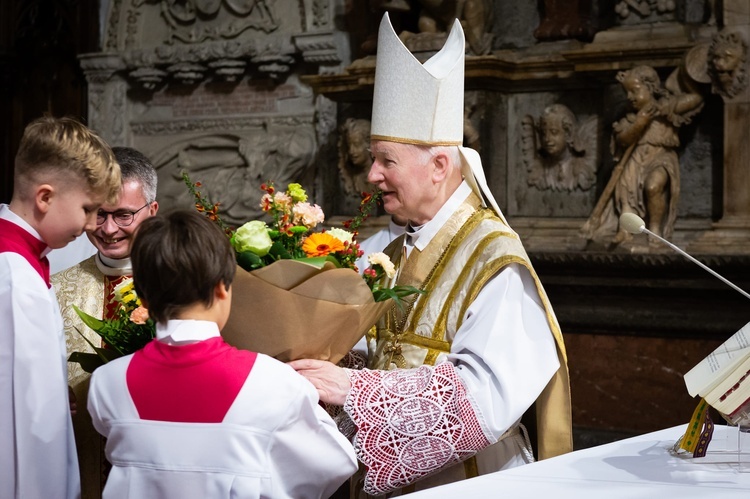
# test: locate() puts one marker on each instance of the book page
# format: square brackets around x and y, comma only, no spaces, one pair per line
[711,370]
[735,388]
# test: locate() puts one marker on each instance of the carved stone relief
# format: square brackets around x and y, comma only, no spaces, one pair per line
[640,11]
[232,167]
[435,17]
[727,63]
[558,153]
[195,21]
[646,178]
[354,155]
[163,41]
[564,19]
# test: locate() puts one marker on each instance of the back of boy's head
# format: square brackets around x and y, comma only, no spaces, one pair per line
[178,259]
[134,165]
[65,151]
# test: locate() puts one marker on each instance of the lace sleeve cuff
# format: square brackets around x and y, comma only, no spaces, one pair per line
[411,423]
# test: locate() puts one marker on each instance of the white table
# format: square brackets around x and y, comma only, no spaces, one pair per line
[638,467]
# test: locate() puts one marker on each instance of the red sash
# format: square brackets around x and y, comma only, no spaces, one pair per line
[110,304]
[195,383]
[15,239]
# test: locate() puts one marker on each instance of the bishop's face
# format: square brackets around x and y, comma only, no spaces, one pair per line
[403,173]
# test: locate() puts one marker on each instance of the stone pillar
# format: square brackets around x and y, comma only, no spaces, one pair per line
[731,233]
[107,96]
[736,18]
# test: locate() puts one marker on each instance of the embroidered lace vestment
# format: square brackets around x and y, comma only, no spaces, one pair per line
[414,422]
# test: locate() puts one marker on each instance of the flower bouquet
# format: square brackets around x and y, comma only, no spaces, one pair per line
[128,332]
[297,293]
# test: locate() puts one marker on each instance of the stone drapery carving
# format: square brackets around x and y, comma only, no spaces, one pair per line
[558,153]
[232,167]
[646,179]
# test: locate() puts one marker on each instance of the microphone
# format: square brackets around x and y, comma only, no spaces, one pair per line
[635,224]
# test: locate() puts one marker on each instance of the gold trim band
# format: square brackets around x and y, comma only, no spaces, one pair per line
[402,140]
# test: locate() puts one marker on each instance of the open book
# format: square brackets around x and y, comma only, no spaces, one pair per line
[723,378]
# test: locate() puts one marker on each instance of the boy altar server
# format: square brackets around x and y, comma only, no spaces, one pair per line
[189,416]
[63,173]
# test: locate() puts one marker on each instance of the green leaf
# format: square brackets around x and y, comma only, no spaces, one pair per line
[279,252]
[92,322]
[249,260]
[88,361]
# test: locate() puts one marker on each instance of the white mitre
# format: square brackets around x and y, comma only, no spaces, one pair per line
[423,104]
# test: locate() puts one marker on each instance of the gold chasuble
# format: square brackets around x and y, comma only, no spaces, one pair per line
[87,287]
[472,247]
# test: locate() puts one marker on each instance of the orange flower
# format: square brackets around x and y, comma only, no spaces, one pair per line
[321,244]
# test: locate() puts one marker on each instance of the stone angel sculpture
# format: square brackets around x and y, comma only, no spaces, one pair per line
[559,154]
[646,178]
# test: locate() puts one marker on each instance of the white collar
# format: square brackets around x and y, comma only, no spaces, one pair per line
[112,267]
[420,237]
[182,332]
[7,214]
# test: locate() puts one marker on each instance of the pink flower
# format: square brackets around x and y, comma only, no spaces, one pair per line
[139,315]
[282,201]
[308,214]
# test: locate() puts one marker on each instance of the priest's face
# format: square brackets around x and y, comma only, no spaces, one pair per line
[403,172]
[116,223]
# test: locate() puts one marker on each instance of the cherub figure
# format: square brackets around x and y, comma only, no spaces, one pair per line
[646,179]
[560,155]
[354,155]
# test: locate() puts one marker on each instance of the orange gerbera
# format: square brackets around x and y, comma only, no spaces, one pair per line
[321,244]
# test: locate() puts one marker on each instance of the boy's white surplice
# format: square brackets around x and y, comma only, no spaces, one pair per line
[275,440]
[37,450]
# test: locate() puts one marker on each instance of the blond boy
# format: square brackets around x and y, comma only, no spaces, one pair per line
[63,173]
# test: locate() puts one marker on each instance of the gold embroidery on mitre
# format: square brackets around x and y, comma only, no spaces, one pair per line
[402,140]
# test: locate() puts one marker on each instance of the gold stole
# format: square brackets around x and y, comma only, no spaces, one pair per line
[422,270]
[399,346]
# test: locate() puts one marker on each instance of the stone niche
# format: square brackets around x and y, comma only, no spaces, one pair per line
[213,88]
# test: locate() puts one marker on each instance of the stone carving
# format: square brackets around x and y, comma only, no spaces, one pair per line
[320,13]
[727,64]
[354,155]
[219,40]
[646,179]
[472,112]
[172,127]
[558,153]
[233,167]
[195,21]
[566,19]
[437,16]
[644,8]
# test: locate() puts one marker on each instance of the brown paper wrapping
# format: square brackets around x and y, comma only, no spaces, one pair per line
[292,310]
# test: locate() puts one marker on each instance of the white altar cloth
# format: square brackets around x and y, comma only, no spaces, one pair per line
[638,467]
